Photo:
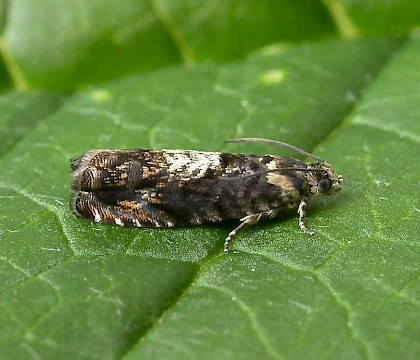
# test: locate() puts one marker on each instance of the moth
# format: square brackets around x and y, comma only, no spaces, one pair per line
[168,188]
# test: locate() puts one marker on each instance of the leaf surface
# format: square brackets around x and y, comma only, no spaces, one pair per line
[69,286]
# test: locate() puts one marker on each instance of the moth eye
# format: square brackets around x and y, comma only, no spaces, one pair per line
[324,185]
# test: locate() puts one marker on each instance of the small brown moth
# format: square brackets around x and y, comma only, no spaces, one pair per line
[167,188]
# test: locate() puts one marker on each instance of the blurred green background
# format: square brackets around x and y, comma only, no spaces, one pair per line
[66,45]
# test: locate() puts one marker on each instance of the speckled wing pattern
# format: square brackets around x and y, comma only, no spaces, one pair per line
[166,188]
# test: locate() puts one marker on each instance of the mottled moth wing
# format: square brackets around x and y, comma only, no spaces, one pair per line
[165,188]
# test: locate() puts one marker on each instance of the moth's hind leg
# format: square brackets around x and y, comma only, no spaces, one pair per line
[248,220]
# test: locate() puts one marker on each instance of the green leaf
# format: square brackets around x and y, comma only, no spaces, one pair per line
[65,44]
[68,286]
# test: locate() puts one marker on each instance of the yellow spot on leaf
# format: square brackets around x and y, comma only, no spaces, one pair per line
[100,95]
[272,77]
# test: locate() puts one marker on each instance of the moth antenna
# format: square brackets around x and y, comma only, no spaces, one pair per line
[270,171]
[276,143]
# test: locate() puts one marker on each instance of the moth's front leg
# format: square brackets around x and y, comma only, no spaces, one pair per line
[301,212]
[248,220]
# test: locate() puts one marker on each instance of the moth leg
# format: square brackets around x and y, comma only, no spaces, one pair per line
[231,235]
[301,212]
[248,220]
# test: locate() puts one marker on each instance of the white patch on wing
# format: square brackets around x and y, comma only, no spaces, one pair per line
[272,165]
[118,221]
[97,216]
[191,163]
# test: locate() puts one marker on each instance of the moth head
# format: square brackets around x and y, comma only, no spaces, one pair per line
[322,180]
